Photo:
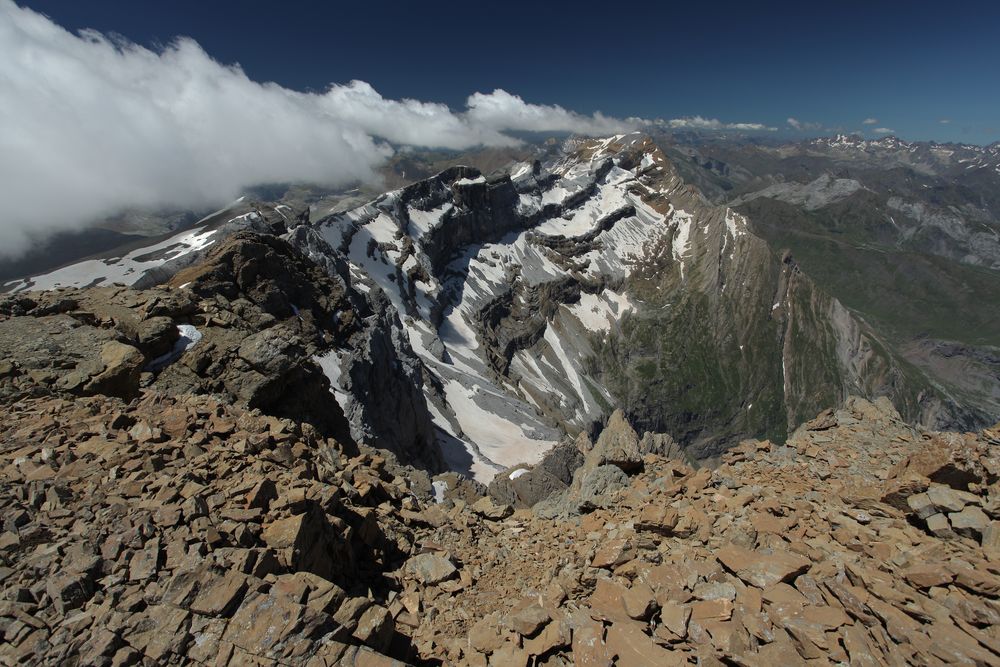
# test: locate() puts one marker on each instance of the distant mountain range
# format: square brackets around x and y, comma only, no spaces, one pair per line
[906,235]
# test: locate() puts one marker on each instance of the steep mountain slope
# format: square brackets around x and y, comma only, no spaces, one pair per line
[513,310]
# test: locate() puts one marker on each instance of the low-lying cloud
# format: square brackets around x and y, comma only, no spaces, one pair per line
[90,125]
[803,126]
[700,123]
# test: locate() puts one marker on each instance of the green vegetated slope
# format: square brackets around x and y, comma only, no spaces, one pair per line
[678,368]
[904,292]
[747,344]
[742,345]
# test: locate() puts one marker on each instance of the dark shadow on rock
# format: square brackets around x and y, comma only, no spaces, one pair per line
[456,456]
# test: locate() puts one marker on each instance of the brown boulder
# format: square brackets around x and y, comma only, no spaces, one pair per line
[948,458]
[430,568]
[529,620]
[308,542]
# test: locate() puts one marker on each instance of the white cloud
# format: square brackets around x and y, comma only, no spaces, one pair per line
[700,123]
[803,126]
[945,121]
[884,130]
[500,110]
[870,121]
[89,126]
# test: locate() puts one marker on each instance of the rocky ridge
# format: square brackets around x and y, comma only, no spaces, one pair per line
[252,324]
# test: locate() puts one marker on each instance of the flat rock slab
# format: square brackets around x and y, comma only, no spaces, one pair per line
[761,569]
[430,568]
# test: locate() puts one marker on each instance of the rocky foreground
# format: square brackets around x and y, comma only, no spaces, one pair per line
[181,530]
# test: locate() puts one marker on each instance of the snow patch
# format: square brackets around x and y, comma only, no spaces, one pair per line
[421,222]
[499,439]
[440,487]
[126,270]
[189,337]
[682,236]
[329,363]
[598,312]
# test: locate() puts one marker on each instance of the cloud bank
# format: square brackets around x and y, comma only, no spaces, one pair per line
[803,126]
[699,123]
[90,125]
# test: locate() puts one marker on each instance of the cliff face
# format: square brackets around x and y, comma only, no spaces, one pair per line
[545,297]
[374,373]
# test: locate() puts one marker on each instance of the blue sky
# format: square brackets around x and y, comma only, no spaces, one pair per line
[181,104]
[908,66]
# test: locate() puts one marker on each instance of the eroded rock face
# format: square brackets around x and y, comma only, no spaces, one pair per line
[381,377]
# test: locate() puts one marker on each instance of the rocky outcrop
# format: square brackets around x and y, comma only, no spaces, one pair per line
[59,353]
[246,324]
[484,211]
[525,486]
[234,347]
[578,476]
[95,341]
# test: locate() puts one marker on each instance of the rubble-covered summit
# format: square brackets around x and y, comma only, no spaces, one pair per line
[240,459]
[182,530]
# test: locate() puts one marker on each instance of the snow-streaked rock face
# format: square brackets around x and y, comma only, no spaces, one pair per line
[505,284]
[540,299]
[149,265]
